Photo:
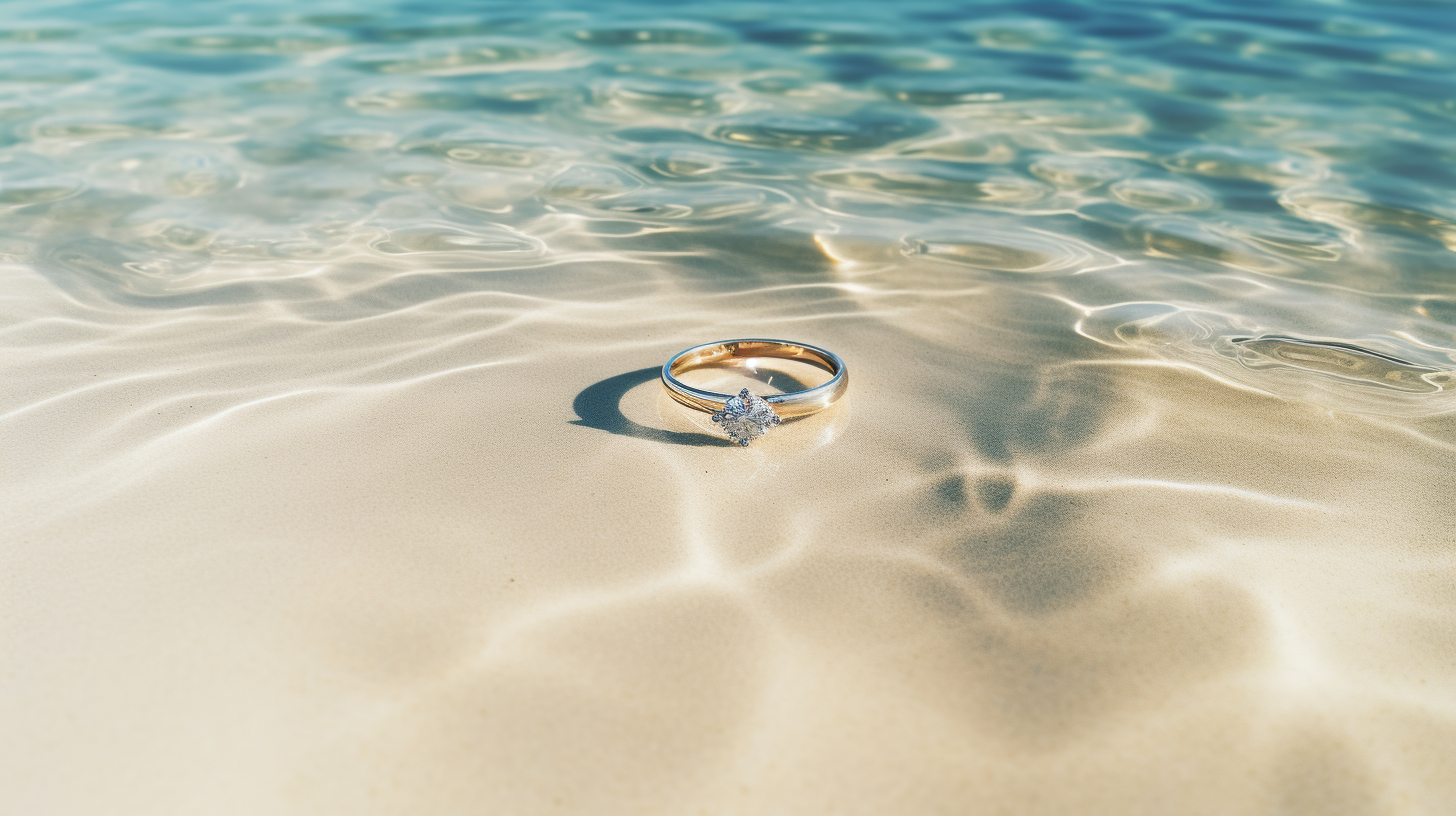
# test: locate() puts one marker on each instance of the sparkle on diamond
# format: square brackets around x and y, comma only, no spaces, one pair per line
[746,417]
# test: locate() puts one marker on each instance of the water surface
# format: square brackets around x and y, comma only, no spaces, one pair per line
[330,328]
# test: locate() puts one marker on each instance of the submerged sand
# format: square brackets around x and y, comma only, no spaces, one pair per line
[335,477]
[465,557]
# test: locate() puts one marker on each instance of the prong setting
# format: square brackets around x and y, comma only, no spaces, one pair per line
[746,417]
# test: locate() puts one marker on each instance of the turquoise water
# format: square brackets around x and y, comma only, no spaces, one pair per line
[335,478]
[1196,174]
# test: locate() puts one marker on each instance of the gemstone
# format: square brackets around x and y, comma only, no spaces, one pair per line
[746,417]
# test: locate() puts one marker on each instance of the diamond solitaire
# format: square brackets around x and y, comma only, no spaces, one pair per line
[747,416]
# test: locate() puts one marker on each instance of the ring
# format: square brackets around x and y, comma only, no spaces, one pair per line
[748,416]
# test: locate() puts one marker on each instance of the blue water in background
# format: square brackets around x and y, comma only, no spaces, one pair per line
[1234,185]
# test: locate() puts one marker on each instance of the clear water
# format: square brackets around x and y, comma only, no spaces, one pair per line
[330,439]
[1192,174]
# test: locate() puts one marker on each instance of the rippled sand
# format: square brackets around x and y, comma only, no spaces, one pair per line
[335,477]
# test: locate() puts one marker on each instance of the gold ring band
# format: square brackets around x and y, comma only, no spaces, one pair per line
[747,416]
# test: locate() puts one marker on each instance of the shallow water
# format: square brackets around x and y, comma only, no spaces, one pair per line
[332,439]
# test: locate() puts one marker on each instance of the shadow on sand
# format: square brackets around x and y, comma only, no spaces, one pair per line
[598,406]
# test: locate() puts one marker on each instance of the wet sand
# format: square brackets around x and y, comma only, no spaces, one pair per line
[335,476]
[415,562]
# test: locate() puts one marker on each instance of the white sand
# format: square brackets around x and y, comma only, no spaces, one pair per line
[333,558]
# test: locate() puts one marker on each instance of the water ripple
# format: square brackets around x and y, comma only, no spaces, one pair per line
[1388,375]
[865,130]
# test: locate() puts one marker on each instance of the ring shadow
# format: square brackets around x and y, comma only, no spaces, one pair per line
[599,406]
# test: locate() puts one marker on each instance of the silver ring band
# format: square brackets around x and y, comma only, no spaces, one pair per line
[794,404]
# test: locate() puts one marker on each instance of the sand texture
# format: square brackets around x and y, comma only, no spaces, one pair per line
[335,476]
